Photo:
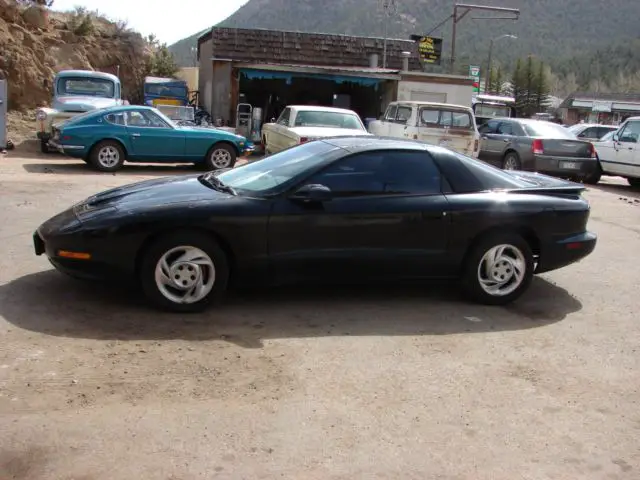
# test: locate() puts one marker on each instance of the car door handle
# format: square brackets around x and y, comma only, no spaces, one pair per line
[135,134]
[505,140]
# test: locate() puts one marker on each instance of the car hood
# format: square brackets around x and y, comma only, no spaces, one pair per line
[82,104]
[151,195]
[321,132]
[211,133]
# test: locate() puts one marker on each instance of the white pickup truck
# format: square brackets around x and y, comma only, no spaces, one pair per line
[619,153]
[301,124]
[444,124]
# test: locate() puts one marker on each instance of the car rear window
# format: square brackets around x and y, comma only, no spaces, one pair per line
[443,117]
[547,130]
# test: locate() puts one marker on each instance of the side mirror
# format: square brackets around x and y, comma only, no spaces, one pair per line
[273,120]
[312,193]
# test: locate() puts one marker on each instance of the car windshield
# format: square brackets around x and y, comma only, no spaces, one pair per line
[311,118]
[608,136]
[277,170]
[547,130]
[484,110]
[171,91]
[93,87]
[576,128]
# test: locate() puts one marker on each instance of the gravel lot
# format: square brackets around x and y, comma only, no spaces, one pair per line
[378,382]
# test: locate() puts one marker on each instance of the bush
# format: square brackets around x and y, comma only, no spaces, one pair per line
[81,22]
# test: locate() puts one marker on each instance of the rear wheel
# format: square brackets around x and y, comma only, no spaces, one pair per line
[498,269]
[184,272]
[220,156]
[634,182]
[107,156]
[511,161]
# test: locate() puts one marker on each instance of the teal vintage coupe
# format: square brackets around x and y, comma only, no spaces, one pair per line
[106,138]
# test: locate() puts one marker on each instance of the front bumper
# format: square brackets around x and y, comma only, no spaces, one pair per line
[565,166]
[565,251]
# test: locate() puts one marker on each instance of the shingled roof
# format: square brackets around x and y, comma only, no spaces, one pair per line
[298,48]
[603,97]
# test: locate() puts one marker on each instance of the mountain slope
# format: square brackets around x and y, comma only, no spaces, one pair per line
[550,29]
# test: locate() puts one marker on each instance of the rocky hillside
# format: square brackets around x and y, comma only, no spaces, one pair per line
[35,43]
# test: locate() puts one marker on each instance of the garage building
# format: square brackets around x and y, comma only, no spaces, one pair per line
[270,69]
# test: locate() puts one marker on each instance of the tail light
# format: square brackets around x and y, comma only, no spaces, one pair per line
[476,144]
[536,147]
[304,140]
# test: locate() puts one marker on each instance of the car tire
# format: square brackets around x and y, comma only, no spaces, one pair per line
[634,182]
[498,269]
[44,147]
[188,285]
[107,156]
[220,156]
[595,177]
[511,161]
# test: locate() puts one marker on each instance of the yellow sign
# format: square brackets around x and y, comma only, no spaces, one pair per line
[166,101]
[430,50]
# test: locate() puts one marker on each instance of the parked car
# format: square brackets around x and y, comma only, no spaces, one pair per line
[302,124]
[443,124]
[618,153]
[338,209]
[531,145]
[591,131]
[106,138]
[76,92]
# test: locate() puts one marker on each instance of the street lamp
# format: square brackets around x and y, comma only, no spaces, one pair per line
[488,79]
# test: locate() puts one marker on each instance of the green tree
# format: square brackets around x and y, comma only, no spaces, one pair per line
[519,88]
[162,63]
[496,81]
[541,95]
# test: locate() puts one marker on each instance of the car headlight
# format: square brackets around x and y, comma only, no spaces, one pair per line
[41,115]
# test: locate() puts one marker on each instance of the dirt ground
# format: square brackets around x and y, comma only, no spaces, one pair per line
[337,383]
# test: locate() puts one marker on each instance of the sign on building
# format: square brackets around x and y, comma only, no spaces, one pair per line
[474,71]
[429,49]
[600,106]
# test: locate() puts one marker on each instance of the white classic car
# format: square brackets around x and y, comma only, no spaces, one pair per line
[302,123]
[448,125]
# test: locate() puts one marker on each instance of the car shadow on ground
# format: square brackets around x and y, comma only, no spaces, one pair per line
[78,167]
[625,191]
[50,303]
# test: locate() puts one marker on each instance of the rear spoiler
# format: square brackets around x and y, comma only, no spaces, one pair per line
[575,189]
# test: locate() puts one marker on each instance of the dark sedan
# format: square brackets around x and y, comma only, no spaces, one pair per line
[331,210]
[536,146]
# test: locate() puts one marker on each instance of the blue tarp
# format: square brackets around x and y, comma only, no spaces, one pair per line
[289,76]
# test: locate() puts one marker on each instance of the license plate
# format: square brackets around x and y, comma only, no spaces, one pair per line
[570,165]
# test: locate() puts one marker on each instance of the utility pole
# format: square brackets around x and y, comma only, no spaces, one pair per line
[460,10]
[488,77]
[389,9]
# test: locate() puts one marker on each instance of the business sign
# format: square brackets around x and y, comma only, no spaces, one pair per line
[429,49]
[474,71]
[599,106]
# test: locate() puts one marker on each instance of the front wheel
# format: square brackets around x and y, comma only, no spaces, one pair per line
[184,272]
[220,156]
[498,269]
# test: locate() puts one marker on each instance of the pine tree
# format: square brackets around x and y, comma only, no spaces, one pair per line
[530,82]
[496,85]
[519,88]
[541,89]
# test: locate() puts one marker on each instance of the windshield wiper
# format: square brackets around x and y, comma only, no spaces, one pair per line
[218,184]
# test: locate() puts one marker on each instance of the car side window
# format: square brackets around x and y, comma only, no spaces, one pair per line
[144,118]
[630,132]
[284,117]
[381,173]
[115,118]
[590,132]
[505,128]
[490,127]
[390,116]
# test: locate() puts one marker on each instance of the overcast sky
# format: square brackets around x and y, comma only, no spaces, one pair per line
[169,20]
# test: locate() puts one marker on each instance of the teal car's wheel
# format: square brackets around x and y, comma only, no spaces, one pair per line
[220,156]
[107,156]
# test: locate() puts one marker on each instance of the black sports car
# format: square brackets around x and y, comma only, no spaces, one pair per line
[343,208]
